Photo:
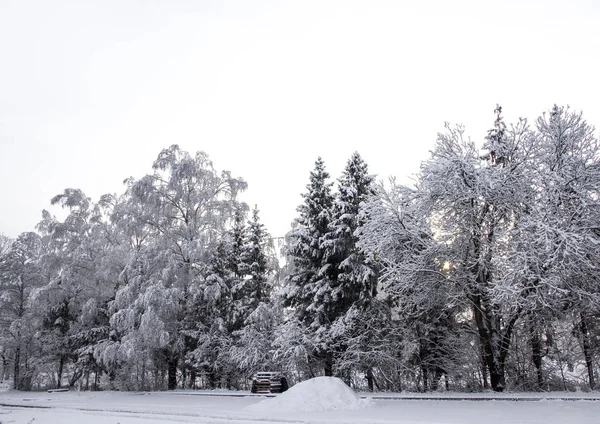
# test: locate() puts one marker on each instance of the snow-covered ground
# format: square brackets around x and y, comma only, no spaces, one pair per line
[325,401]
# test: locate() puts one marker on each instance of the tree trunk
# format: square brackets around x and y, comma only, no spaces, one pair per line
[493,342]
[484,370]
[183,376]
[485,340]
[172,370]
[75,377]
[143,379]
[4,370]
[587,350]
[193,379]
[370,379]
[328,366]
[61,365]
[536,352]
[17,369]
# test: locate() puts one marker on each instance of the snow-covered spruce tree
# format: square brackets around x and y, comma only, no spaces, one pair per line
[305,259]
[253,299]
[211,320]
[257,265]
[237,235]
[350,275]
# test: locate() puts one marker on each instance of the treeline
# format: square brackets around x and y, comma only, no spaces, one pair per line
[483,274]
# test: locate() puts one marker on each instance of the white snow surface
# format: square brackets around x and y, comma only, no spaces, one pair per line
[316,394]
[230,408]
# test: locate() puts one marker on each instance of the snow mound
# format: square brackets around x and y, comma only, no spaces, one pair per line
[316,394]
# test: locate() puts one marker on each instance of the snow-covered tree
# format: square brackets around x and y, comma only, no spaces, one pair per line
[473,207]
[413,281]
[20,274]
[562,226]
[185,208]
[258,263]
[252,300]
[305,255]
[350,274]
[81,265]
[327,272]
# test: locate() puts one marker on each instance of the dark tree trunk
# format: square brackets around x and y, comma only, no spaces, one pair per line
[61,365]
[328,366]
[587,351]
[495,357]
[4,374]
[497,379]
[17,369]
[370,379]
[192,379]
[172,374]
[212,379]
[75,378]
[484,370]
[536,352]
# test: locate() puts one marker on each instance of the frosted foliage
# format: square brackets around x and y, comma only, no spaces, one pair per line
[123,320]
[89,310]
[152,331]
[291,345]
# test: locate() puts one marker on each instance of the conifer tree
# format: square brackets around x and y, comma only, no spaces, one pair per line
[256,261]
[306,288]
[252,301]
[350,273]
[305,240]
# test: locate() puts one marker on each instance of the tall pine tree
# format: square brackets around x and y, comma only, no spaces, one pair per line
[351,275]
[305,281]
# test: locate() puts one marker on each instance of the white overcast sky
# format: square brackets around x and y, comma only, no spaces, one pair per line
[91,91]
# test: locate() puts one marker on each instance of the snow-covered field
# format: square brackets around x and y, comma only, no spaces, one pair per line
[310,402]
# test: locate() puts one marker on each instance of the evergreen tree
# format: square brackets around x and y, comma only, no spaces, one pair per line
[256,264]
[304,245]
[305,281]
[352,275]
[252,300]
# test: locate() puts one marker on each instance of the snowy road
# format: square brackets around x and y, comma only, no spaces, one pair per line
[174,407]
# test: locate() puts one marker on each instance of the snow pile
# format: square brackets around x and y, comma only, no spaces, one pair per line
[316,394]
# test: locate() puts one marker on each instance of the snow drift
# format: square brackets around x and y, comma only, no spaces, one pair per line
[316,394]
